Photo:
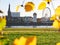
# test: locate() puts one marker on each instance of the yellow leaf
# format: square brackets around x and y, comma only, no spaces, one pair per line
[34,41]
[20,41]
[2,23]
[53,17]
[56,24]
[17,7]
[58,44]
[0,43]
[42,6]
[57,11]
[29,6]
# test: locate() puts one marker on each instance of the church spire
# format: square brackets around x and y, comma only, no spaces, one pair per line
[9,12]
[9,8]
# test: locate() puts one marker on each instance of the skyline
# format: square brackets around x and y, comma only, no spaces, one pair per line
[13,3]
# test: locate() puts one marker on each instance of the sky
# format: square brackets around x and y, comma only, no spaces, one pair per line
[5,3]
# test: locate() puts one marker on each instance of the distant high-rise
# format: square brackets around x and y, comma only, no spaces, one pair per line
[9,12]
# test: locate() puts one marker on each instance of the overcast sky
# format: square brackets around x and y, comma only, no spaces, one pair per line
[4,6]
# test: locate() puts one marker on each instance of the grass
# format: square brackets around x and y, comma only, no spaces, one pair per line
[30,29]
[43,38]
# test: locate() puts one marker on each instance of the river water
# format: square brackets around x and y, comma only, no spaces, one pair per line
[31,26]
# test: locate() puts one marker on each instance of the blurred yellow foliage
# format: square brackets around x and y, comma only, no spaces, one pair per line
[2,23]
[56,18]
[33,41]
[57,43]
[57,11]
[0,43]
[42,6]
[53,17]
[29,6]
[17,7]
[25,41]
[20,41]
